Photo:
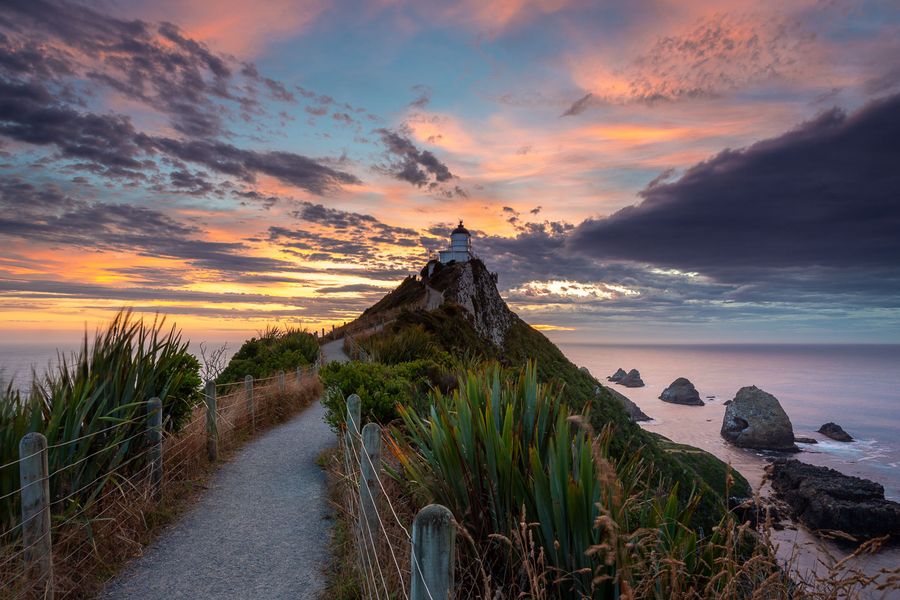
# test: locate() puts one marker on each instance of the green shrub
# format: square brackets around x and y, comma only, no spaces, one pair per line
[381,388]
[274,350]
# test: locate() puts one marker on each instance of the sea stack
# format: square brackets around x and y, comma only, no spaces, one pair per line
[632,379]
[755,419]
[618,376]
[835,432]
[682,391]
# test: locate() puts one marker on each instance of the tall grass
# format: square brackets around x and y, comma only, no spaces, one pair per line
[545,511]
[92,408]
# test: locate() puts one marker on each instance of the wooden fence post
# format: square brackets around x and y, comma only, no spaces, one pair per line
[433,548]
[281,381]
[34,480]
[155,438]
[251,405]
[212,430]
[369,472]
[353,421]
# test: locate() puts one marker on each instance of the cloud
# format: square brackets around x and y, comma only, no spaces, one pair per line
[814,204]
[109,144]
[46,214]
[720,53]
[423,96]
[578,107]
[408,163]
[154,64]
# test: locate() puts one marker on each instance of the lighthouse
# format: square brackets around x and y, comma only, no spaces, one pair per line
[460,249]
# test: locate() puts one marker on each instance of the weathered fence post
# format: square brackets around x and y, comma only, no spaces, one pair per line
[251,405]
[353,416]
[369,472]
[34,480]
[154,437]
[433,547]
[212,430]
[281,381]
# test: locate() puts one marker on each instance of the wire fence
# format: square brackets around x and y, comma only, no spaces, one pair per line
[64,544]
[392,559]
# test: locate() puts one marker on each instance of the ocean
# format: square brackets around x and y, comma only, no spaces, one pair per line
[856,386]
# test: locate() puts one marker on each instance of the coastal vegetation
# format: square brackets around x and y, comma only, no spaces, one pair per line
[555,491]
[275,349]
[92,407]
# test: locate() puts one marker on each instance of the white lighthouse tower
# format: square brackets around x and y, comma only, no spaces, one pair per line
[460,249]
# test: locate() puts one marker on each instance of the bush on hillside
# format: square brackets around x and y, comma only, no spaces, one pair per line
[274,350]
[381,388]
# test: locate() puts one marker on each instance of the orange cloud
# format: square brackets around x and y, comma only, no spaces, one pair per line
[240,27]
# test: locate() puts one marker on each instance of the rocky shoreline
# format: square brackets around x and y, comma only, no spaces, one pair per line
[823,500]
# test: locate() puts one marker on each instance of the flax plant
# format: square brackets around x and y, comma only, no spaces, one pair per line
[92,409]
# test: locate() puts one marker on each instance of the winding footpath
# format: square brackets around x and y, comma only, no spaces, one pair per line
[261,530]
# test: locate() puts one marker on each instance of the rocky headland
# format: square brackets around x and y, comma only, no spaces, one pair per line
[682,391]
[755,419]
[826,500]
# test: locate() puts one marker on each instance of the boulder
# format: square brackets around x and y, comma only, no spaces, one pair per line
[631,408]
[755,419]
[681,391]
[632,379]
[618,376]
[835,432]
[824,499]
[805,440]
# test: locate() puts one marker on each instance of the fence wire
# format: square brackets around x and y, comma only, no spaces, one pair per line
[102,522]
[383,547]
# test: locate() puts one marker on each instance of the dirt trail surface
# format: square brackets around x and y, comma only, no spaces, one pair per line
[260,531]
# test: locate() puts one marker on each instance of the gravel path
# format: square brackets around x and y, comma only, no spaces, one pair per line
[260,531]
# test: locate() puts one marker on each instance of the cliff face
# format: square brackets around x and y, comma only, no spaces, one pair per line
[472,287]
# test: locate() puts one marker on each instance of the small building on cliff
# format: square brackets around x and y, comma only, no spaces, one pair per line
[460,249]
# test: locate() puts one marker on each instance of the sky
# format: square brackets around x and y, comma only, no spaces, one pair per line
[636,172]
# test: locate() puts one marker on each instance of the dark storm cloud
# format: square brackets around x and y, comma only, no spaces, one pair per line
[343,220]
[408,163]
[824,195]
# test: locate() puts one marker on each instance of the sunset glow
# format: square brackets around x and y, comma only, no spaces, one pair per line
[235,164]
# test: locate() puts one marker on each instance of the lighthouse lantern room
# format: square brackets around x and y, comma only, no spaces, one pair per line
[460,249]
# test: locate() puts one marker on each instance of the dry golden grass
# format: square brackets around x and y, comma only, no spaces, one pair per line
[92,545]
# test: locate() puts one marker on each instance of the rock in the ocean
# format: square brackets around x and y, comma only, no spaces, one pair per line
[632,379]
[618,376]
[822,498]
[755,419]
[631,408]
[835,432]
[805,440]
[681,391]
